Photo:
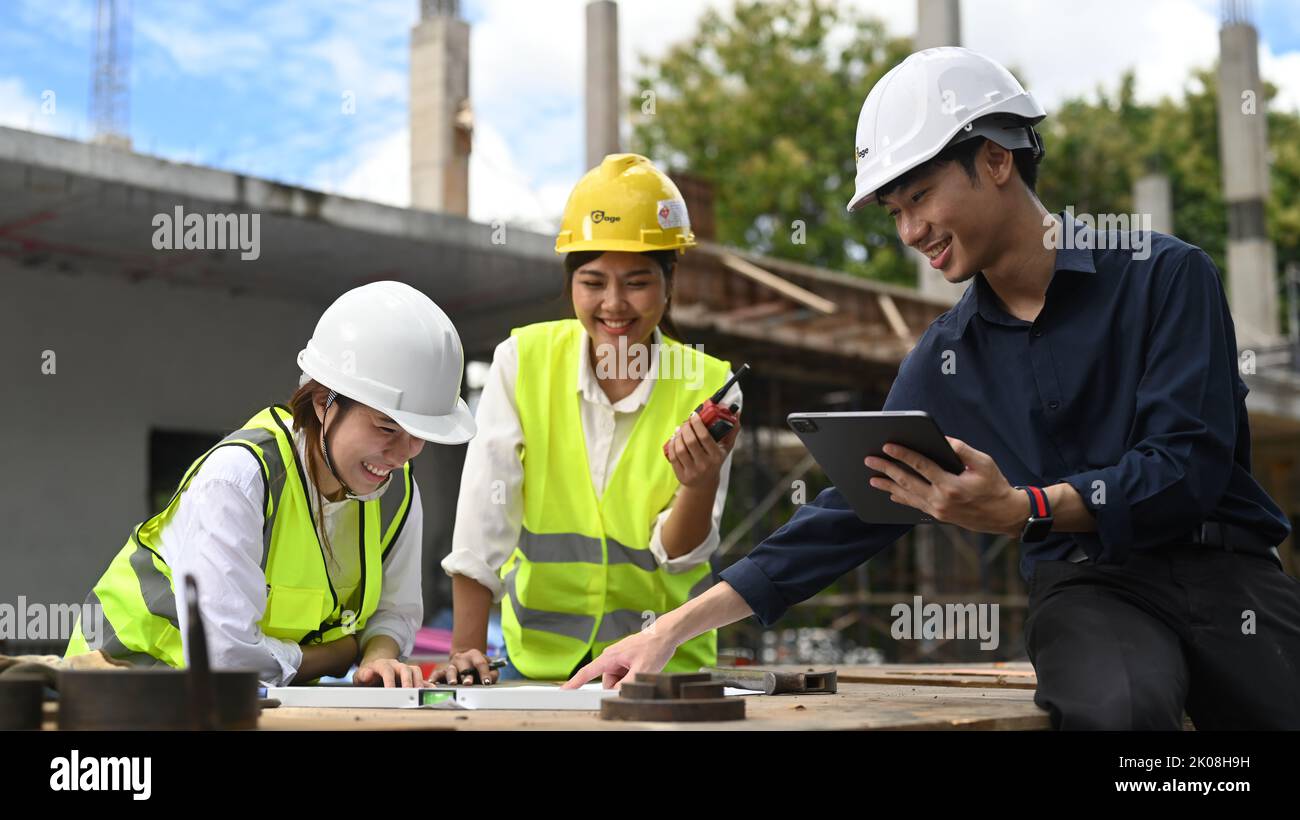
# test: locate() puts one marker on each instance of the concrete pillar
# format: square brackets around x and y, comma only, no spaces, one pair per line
[1153,195]
[441,120]
[1243,155]
[938,23]
[925,545]
[1292,280]
[603,98]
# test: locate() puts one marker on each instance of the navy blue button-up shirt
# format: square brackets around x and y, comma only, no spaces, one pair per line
[1125,386]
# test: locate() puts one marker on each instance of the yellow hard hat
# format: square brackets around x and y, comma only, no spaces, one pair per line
[625,204]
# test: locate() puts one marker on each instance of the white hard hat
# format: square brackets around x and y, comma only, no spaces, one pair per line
[933,98]
[388,346]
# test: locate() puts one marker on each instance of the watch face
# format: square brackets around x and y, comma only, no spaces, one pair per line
[1036,529]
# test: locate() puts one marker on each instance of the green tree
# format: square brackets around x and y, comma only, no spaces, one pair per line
[1097,150]
[764,102]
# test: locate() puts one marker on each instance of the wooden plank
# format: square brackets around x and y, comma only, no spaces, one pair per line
[787,289]
[997,675]
[1000,673]
[856,707]
[961,668]
[797,315]
[839,329]
[894,318]
[854,330]
[747,312]
[947,680]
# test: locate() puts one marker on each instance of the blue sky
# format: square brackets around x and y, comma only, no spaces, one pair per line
[1279,24]
[250,85]
[257,87]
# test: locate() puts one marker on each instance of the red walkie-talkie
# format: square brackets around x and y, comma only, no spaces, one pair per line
[719,419]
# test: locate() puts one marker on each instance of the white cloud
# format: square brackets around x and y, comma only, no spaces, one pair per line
[1067,50]
[17,109]
[70,22]
[313,55]
[500,189]
[200,50]
[527,78]
[382,173]
[38,110]
[1284,72]
[352,69]
[527,75]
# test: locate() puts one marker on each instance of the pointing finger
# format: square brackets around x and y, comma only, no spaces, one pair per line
[586,673]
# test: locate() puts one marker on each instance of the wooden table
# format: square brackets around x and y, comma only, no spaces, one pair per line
[938,696]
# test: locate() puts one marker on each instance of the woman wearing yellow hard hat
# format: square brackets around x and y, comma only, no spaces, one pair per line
[573,513]
[302,527]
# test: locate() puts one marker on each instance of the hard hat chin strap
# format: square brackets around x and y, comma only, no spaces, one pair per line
[324,450]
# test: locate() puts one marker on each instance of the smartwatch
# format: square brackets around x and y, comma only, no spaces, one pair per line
[1039,523]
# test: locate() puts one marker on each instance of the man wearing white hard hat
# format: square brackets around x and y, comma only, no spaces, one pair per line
[303,527]
[1087,380]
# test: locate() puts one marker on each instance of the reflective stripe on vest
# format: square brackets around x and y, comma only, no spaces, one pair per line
[582,576]
[614,626]
[557,547]
[137,595]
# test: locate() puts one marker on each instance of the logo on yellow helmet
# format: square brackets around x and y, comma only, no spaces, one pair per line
[601,216]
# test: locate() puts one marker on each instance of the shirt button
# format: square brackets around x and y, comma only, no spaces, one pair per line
[1037,332]
[1052,405]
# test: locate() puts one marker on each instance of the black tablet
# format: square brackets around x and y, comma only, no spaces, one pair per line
[840,442]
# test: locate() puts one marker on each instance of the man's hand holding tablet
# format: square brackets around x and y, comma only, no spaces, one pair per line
[979,499]
[897,467]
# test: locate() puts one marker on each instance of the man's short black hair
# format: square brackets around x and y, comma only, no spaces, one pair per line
[964,152]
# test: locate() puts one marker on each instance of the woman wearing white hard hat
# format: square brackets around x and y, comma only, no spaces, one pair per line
[303,527]
[571,513]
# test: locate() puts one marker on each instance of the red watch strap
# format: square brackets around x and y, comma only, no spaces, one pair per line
[1038,502]
[1039,506]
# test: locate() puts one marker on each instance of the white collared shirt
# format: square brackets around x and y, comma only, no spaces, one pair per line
[490,510]
[216,535]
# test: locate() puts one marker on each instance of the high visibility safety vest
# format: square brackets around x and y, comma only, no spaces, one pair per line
[582,576]
[138,592]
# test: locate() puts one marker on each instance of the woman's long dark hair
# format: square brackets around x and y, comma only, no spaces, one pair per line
[302,405]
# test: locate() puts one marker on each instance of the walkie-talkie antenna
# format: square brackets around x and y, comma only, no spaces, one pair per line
[722,391]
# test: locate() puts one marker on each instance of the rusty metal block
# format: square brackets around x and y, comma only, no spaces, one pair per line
[681,697]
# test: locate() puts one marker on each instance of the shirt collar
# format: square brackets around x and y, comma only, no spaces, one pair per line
[1073,253]
[589,387]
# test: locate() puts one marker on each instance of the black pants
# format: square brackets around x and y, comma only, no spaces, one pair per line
[1133,645]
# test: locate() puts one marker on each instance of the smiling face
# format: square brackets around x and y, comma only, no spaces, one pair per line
[619,295]
[365,445]
[951,218]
